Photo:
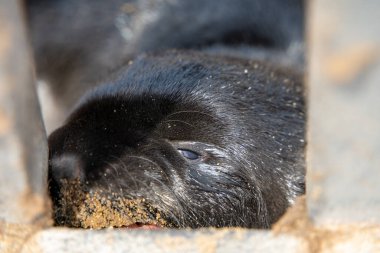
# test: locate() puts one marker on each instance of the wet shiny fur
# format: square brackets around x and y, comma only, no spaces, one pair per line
[210,134]
[209,141]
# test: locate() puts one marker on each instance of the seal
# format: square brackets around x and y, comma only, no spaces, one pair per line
[78,43]
[182,139]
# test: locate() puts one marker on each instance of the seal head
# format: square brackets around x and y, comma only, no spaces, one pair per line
[194,140]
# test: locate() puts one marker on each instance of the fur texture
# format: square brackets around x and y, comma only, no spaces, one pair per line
[209,141]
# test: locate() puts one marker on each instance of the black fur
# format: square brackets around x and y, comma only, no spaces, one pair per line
[227,102]
[78,42]
[244,118]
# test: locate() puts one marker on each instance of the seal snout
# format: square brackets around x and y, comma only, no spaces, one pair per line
[66,166]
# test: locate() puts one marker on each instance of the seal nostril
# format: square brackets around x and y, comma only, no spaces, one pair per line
[66,166]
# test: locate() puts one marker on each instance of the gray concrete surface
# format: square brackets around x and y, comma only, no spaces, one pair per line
[203,241]
[23,147]
[343,181]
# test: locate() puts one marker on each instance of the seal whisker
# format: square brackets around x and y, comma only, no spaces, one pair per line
[162,184]
[134,179]
[198,112]
[181,209]
[116,176]
[176,120]
[144,159]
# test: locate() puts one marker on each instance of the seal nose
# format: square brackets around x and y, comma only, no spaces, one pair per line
[67,166]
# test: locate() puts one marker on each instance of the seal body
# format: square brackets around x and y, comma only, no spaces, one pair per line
[77,43]
[206,141]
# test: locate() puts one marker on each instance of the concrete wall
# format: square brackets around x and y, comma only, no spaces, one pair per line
[23,146]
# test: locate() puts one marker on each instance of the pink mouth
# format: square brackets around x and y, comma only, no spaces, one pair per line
[143,226]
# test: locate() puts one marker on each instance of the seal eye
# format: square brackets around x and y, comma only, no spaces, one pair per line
[191,155]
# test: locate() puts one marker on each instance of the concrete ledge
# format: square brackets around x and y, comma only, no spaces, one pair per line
[202,241]
[358,238]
